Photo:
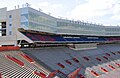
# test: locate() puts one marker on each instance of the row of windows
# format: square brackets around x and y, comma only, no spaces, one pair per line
[79,26]
[37,26]
[41,19]
[10,24]
[24,25]
[44,23]
[112,29]
[72,31]
[77,31]
[73,26]
[113,33]
[24,17]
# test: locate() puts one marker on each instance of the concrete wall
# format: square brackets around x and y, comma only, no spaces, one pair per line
[15,21]
[85,46]
[8,40]
[3,14]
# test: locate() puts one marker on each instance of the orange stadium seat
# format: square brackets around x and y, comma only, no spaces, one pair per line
[68,62]
[28,58]
[98,59]
[0,75]
[105,57]
[61,65]
[81,76]
[41,74]
[76,60]
[86,58]
[117,64]
[107,54]
[111,67]
[104,70]
[94,73]
[15,60]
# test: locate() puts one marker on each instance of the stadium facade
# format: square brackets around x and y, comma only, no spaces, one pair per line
[75,49]
[27,18]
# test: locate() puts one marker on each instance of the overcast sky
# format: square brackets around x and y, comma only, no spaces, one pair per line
[105,12]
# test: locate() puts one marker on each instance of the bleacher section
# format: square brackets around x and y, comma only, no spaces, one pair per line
[114,39]
[96,63]
[61,62]
[58,38]
[16,64]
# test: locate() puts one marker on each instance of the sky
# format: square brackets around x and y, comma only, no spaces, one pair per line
[106,12]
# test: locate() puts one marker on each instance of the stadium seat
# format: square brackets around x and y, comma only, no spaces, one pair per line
[107,54]
[86,58]
[113,53]
[76,60]
[105,57]
[94,73]
[38,37]
[41,74]
[70,39]
[27,58]
[81,76]
[67,61]
[117,64]
[61,65]
[111,67]
[15,60]
[98,59]
[103,69]
[0,75]
[92,63]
